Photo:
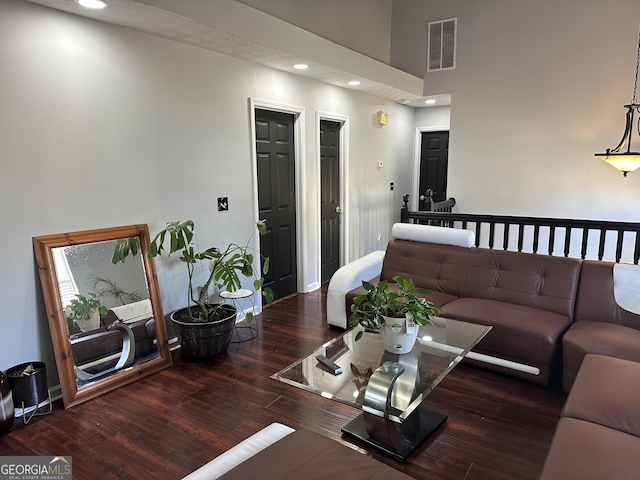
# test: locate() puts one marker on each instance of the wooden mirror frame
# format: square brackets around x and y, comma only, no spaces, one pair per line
[43,247]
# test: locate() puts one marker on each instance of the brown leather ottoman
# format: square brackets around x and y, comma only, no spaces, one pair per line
[598,436]
[588,451]
[606,392]
[604,338]
[306,455]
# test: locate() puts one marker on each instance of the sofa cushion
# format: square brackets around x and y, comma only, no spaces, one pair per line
[606,392]
[310,456]
[538,281]
[588,451]
[439,268]
[519,333]
[596,299]
[596,337]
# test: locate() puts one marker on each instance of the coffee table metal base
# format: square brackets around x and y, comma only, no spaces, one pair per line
[428,422]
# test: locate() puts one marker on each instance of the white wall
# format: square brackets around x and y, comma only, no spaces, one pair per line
[360,25]
[538,89]
[100,124]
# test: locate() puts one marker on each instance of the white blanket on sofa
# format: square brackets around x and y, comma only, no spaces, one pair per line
[626,286]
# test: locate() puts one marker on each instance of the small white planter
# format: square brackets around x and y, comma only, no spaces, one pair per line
[91,324]
[395,337]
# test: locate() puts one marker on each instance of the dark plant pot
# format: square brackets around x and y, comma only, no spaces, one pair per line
[28,389]
[204,341]
[6,405]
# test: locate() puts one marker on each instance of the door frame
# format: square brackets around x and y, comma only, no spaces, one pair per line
[413,200]
[343,120]
[299,162]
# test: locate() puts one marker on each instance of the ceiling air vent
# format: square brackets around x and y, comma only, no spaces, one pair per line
[441,46]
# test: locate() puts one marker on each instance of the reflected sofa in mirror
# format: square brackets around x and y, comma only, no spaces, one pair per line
[100,349]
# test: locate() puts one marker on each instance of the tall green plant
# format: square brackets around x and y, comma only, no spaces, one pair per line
[227,264]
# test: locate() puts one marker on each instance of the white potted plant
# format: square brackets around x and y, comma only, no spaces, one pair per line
[396,312]
[86,311]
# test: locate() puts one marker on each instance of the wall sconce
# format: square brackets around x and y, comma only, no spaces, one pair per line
[382,117]
[621,157]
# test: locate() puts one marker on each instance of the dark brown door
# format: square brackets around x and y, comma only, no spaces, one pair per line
[434,158]
[277,198]
[330,209]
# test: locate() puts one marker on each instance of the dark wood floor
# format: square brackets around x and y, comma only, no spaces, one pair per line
[170,423]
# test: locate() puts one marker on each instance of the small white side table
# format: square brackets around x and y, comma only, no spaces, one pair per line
[242,299]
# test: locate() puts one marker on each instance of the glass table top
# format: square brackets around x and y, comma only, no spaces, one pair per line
[439,348]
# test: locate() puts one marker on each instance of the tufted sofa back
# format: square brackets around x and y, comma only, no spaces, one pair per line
[597,301]
[539,281]
[430,265]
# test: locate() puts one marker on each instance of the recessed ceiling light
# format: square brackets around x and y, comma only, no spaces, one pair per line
[431,101]
[354,83]
[95,4]
[301,66]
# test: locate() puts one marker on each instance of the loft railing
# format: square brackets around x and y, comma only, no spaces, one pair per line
[430,205]
[586,239]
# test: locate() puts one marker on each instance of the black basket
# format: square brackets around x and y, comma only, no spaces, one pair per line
[28,390]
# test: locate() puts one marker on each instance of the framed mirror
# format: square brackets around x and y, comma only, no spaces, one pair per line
[106,318]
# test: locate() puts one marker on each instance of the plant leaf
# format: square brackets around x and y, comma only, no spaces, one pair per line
[268,294]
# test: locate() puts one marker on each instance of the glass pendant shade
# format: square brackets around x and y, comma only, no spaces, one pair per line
[622,161]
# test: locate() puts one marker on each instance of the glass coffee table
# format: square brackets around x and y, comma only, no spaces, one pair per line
[389,388]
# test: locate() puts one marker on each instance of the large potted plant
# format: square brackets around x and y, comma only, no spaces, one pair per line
[204,329]
[396,312]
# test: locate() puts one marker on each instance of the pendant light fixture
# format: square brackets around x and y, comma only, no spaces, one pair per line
[622,157]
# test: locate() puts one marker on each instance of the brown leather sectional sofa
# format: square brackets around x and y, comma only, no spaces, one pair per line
[562,316]
[547,312]
[528,299]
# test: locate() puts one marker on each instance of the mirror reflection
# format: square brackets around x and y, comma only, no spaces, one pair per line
[106,307]
[102,313]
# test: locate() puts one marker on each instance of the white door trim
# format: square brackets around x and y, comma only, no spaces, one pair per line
[299,141]
[413,201]
[345,256]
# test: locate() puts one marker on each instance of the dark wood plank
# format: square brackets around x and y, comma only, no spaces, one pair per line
[172,422]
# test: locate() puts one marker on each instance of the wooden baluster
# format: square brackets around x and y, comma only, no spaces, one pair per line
[585,239]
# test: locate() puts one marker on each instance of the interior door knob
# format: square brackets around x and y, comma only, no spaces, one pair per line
[338,209]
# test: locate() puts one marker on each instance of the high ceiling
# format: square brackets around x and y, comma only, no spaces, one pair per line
[237,30]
